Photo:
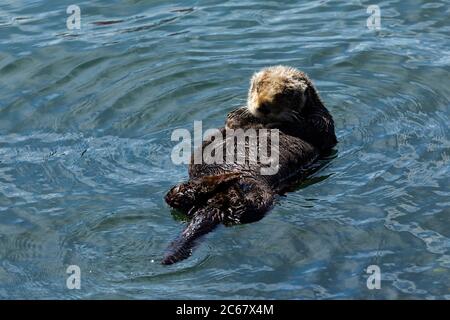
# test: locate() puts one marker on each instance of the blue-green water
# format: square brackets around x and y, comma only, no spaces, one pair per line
[85,123]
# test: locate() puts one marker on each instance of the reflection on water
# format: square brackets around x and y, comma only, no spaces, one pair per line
[85,123]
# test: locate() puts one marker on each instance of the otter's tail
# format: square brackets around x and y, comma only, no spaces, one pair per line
[181,248]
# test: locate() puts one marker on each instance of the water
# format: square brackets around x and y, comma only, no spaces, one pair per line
[85,123]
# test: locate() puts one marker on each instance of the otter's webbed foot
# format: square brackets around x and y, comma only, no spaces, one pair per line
[247,202]
[192,194]
[181,197]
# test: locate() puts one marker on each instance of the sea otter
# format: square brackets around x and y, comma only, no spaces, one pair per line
[232,193]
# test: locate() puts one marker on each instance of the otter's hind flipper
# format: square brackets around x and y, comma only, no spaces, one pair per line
[197,191]
[202,223]
[243,202]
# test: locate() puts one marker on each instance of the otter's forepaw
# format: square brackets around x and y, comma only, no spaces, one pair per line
[240,118]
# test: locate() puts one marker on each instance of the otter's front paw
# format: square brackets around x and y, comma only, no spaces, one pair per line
[241,118]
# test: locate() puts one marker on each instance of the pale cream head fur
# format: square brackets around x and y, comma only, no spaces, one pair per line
[277,92]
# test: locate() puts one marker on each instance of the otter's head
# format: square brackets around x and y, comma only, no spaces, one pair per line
[279,93]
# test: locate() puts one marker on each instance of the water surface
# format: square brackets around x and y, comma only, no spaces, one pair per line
[85,123]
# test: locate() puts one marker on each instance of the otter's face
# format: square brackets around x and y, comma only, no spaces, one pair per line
[277,93]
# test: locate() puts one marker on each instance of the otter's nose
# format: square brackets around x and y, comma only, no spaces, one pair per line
[264,108]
